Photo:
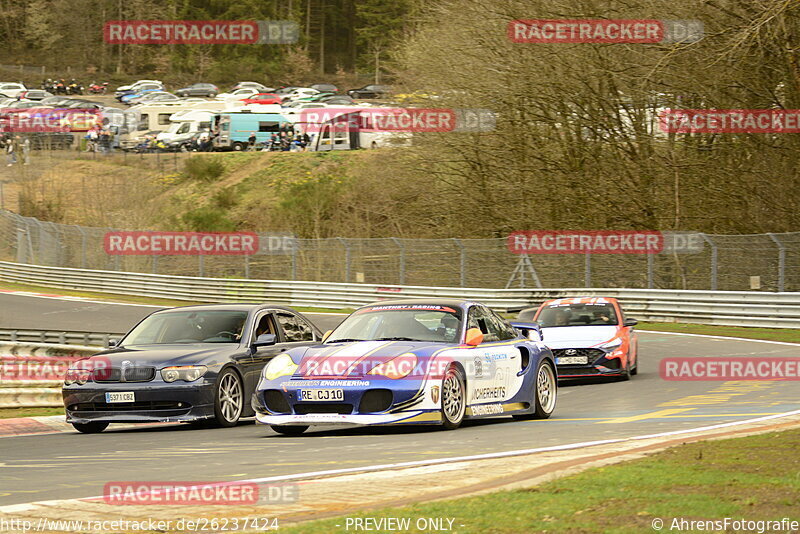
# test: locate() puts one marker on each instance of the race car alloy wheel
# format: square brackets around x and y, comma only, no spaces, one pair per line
[228,400]
[546,390]
[453,398]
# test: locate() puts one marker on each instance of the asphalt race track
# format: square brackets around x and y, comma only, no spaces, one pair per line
[66,465]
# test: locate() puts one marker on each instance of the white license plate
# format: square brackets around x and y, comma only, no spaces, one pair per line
[572,360]
[120,396]
[321,394]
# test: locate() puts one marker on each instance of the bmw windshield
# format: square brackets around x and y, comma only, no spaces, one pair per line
[212,326]
[402,322]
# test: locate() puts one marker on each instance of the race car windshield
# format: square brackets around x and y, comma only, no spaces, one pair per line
[217,326]
[400,323]
[578,315]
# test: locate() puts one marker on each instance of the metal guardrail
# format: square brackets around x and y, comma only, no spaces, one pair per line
[732,308]
[32,358]
[60,337]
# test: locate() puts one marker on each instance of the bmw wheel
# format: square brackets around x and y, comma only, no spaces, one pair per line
[454,398]
[90,428]
[229,399]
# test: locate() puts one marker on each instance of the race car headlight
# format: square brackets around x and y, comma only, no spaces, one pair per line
[399,367]
[281,365]
[613,344]
[188,373]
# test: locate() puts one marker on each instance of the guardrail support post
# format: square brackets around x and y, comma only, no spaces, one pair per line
[155,263]
[201,265]
[713,261]
[247,266]
[588,270]
[462,262]
[781,262]
[402,266]
[650,271]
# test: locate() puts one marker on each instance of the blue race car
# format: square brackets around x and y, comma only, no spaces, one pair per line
[410,362]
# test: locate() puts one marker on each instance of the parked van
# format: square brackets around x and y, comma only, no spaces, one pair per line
[232,129]
[185,124]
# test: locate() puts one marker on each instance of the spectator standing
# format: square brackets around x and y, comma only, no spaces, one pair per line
[12,148]
[251,142]
[104,140]
[26,151]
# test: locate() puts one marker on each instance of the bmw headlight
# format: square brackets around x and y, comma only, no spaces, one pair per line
[613,344]
[281,365]
[187,373]
[77,376]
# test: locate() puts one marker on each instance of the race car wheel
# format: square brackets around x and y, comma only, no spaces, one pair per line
[635,369]
[454,398]
[626,374]
[289,430]
[545,392]
[228,400]
[90,428]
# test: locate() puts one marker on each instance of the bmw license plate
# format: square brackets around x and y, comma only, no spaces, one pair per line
[120,396]
[321,395]
[572,360]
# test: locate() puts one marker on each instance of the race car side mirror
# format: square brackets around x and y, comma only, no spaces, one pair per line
[631,322]
[474,337]
[326,335]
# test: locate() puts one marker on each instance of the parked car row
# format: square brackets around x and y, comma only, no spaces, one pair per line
[412,361]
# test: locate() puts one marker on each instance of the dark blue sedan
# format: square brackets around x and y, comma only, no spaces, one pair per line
[190,364]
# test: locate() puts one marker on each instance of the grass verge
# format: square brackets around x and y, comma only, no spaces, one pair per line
[8,413]
[752,478]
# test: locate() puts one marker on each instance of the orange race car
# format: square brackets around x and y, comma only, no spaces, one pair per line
[589,337]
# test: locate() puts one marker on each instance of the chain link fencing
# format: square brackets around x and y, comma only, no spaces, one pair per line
[767,262]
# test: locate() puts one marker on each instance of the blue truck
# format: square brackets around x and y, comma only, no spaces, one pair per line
[232,130]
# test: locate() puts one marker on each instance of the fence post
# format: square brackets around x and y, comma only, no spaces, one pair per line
[201,267]
[402,266]
[650,271]
[247,266]
[462,263]
[83,246]
[713,261]
[294,263]
[155,264]
[347,258]
[781,262]
[588,270]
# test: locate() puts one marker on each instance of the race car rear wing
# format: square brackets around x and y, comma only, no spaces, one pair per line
[532,331]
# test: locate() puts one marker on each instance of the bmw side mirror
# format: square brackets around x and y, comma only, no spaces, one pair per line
[112,343]
[631,322]
[265,340]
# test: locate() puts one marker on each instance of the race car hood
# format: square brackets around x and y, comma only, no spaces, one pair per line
[562,337]
[356,359]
